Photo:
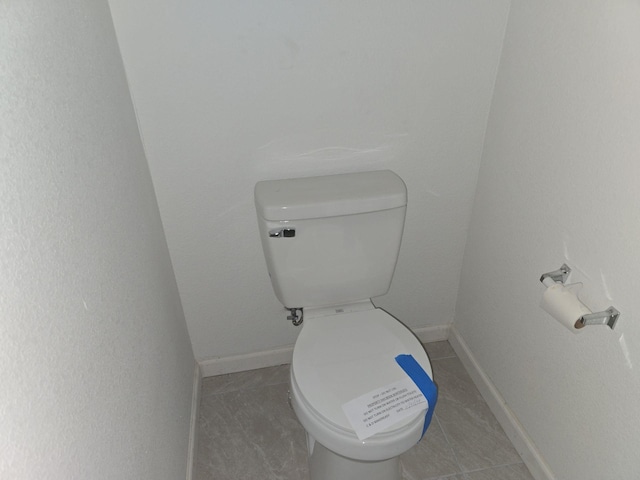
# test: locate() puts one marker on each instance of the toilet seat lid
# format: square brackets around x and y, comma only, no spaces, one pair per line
[340,357]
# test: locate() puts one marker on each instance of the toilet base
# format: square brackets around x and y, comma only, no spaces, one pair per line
[327,465]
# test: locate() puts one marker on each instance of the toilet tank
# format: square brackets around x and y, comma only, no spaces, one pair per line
[331,240]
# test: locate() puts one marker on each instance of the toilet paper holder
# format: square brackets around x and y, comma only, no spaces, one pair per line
[609,317]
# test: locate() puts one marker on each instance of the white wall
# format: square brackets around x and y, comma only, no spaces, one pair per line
[559,183]
[229,93]
[96,367]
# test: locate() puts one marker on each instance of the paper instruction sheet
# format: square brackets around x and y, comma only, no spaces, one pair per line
[383,407]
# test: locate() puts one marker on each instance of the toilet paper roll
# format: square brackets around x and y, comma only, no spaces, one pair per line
[562,303]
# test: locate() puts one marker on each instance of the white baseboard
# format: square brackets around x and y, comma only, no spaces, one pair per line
[436,333]
[193,428]
[250,361]
[279,356]
[505,416]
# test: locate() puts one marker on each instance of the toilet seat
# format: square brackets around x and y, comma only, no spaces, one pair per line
[340,357]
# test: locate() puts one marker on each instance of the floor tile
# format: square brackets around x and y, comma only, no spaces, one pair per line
[432,457]
[509,472]
[437,350]
[471,429]
[250,433]
[247,430]
[449,477]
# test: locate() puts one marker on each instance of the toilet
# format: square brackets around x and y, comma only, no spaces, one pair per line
[331,244]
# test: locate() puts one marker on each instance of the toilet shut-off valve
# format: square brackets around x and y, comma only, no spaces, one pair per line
[294,317]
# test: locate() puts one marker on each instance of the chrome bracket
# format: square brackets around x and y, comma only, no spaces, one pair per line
[609,318]
[559,276]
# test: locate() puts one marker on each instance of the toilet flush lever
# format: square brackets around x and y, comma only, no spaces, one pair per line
[282,232]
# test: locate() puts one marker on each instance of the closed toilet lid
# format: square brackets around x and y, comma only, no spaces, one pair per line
[340,357]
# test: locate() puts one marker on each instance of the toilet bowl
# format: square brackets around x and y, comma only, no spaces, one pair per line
[340,357]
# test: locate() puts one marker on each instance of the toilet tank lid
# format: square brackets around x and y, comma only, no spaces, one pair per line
[330,195]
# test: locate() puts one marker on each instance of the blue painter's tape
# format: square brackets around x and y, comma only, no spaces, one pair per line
[424,383]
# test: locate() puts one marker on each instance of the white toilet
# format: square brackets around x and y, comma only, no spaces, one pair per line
[331,243]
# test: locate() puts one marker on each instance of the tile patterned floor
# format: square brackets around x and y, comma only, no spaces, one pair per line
[248,431]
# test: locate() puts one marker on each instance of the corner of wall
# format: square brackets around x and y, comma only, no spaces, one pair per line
[193,429]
